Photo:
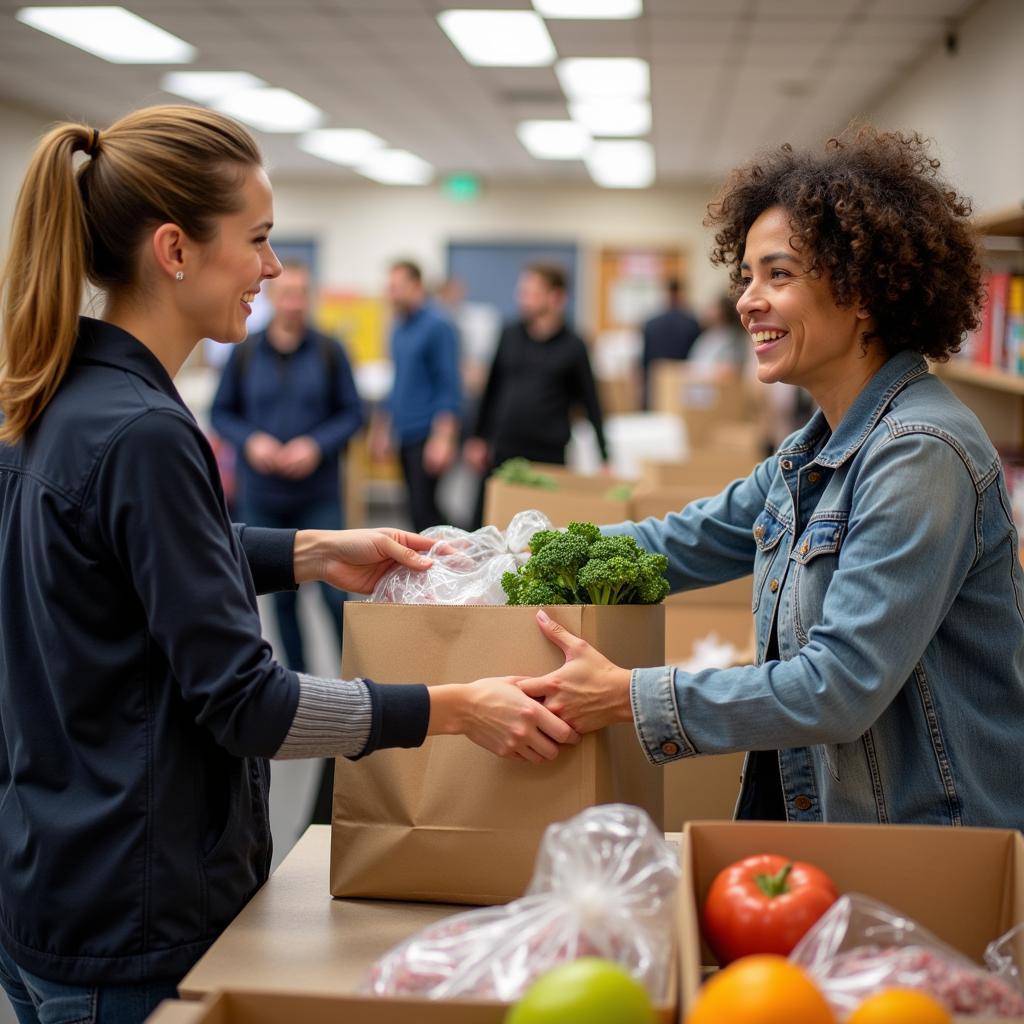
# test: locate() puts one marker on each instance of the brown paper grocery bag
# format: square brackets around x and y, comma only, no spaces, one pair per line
[450,822]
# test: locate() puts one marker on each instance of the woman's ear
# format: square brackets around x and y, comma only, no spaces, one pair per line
[171,250]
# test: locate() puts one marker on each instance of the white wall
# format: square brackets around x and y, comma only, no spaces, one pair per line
[361,228]
[972,103]
[19,132]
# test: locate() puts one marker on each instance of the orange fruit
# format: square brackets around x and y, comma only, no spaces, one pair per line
[900,1006]
[762,989]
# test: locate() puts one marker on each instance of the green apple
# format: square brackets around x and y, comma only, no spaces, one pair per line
[584,991]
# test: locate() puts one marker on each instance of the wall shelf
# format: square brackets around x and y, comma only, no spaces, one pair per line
[983,376]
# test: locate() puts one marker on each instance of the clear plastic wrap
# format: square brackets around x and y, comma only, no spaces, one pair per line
[860,946]
[467,567]
[604,885]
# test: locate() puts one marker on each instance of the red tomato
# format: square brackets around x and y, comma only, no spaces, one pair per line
[764,904]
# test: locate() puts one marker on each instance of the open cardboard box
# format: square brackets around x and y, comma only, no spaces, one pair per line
[239,1007]
[579,497]
[964,884]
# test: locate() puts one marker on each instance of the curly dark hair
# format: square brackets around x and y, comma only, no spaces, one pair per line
[872,212]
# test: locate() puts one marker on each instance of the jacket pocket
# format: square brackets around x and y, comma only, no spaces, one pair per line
[816,555]
[768,531]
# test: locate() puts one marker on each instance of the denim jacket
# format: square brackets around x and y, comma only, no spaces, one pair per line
[885,557]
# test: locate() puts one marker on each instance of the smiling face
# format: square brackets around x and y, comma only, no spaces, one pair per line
[232,266]
[800,335]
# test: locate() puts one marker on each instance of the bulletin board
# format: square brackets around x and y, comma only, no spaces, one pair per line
[360,321]
[631,284]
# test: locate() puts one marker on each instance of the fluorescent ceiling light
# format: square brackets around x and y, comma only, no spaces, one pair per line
[396,167]
[554,140]
[345,146]
[112,33]
[623,163]
[612,117]
[204,86]
[271,110]
[589,8]
[596,78]
[500,38]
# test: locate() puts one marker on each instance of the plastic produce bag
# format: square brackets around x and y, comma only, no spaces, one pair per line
[860,946]
[467,566]
[603,885]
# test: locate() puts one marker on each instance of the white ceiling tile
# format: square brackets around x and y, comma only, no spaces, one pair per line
[386,66]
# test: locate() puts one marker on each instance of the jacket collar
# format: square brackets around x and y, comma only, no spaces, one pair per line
[862,417]
[107,345]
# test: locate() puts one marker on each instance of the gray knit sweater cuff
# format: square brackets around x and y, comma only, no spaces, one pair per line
[332,719]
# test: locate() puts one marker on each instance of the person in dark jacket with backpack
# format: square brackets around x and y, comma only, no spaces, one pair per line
[288,403]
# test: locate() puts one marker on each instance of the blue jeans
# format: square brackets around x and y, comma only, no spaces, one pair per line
[324,516]
[38,1001]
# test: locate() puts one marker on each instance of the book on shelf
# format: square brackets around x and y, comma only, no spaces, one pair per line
[999,340]
[1015,323]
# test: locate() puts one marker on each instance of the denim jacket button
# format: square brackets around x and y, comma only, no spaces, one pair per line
[802,803]
[813,478]
[805,547]
[773,586]
[758,532]
[670,748]
[787,463]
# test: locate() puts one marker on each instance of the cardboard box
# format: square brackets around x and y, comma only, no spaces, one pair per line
[658,500]
[699,788]
[578,497]
[450,822]
[618,395]
[708,469]
[704,400]
[240,1007]
[964,884]
[693,615]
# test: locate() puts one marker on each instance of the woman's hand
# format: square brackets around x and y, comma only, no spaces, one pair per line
[497,716]
[588,692]
[355,560]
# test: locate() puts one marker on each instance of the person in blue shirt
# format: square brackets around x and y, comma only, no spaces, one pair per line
[425,407]
[888,596]
[288,403]
[139,700]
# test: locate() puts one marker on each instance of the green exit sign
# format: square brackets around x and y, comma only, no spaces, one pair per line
[461,188]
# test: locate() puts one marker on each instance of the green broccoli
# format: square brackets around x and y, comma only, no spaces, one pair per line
[520,472]
[522,590]
[579,566]
[619,571]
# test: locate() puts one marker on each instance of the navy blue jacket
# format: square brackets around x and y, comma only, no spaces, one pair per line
[670,335]
[137,698]
[298,394]
[425,353]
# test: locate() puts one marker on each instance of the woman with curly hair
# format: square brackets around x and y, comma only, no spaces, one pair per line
[887,592]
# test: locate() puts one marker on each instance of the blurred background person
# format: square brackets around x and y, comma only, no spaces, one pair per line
[541,371]
[722,342]
[426,398]
[669,335]
[288,403]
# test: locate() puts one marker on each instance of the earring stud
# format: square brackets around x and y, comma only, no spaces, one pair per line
[180,275]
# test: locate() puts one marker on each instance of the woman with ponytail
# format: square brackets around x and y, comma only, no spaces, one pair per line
[138,702]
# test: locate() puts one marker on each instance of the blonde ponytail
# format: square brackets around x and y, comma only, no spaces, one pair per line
[41,286]
[168,164]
